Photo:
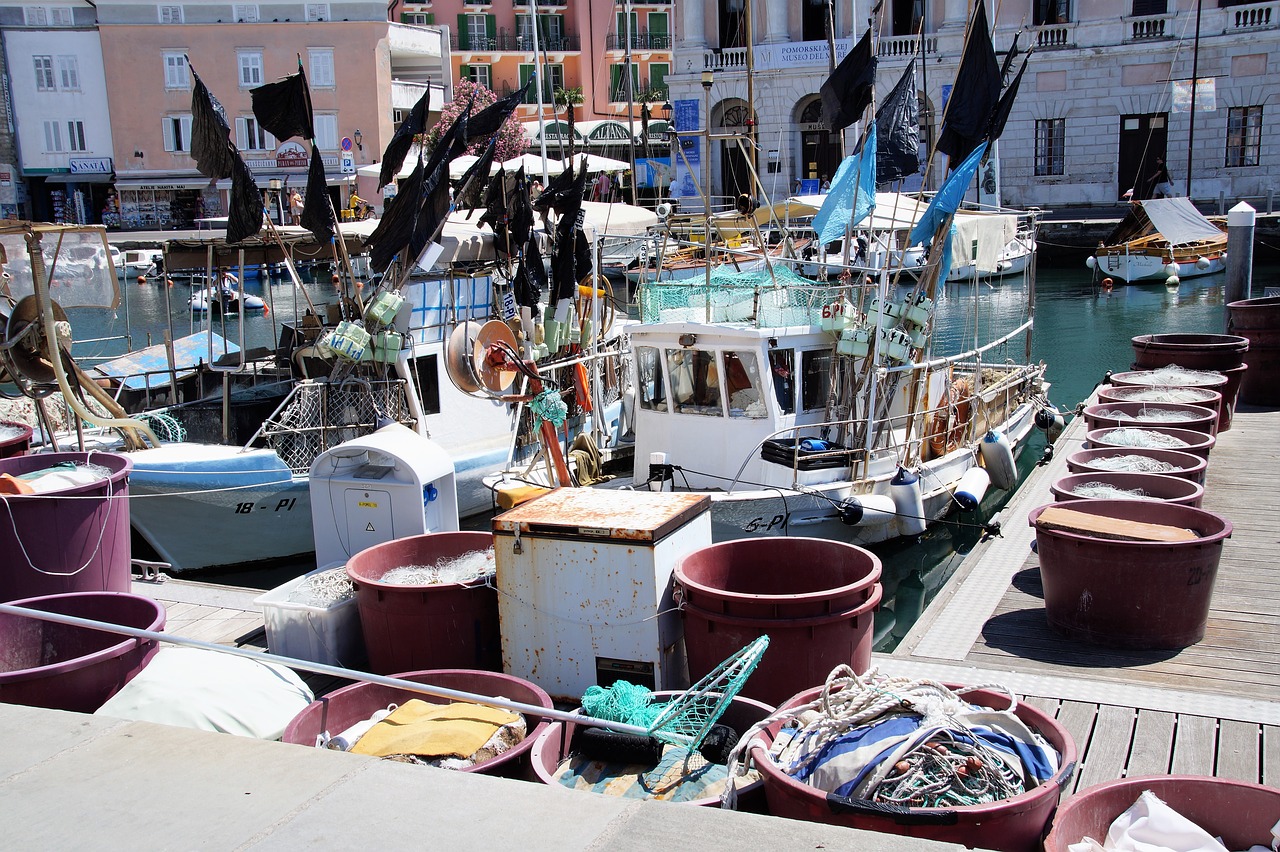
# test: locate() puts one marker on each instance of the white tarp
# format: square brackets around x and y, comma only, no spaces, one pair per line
[1178,221]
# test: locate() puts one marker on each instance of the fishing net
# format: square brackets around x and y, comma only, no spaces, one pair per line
[1103,491]
[1190,396]
[322,414]
[748,296]
[1133,464]
[466,568]
[687,718]
[622,702]
[1148,415]
[324,589]
[1143,438]
[1175,376]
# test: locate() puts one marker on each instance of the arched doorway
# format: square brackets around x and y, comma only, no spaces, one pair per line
[819,147]
[735,173]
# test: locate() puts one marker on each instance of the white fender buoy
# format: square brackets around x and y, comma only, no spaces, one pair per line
[867,510]
[972,487]
[1090,261]
[1202,263]
[1172,268]
[909,502]
[997,458]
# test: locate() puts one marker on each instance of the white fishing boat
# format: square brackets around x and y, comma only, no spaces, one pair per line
[226,297]
[131,263]
[1161,238]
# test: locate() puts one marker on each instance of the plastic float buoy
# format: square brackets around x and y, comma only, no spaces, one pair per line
[907,498]
[334,278]
[1172,281]
[997,457]
[1051,422]
[867,510]
[1090,262]
[1172,268]
[1107,284]
[1202,263]
[142,279]
[972,487]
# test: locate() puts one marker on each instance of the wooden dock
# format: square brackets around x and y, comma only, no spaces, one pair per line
[1210,709]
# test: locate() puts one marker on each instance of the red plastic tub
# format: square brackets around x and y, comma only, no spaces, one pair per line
[815,599]
[1194,417]
[1012,825]
[43,664]
[1131,594]
[1258,320]
[1208,379]
[15,439]
[1186,465]
[1197,443]
[342,708]
[1193,351]
[1170,489]
[552,747]
[442,626]
[1203,397]
[66,540]
[1240,813]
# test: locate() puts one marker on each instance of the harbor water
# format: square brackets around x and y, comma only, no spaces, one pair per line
[1081,331]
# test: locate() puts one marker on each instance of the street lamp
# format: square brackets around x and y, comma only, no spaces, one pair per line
[275,186]
[358,138]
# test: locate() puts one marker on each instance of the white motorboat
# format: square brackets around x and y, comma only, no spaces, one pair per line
[227,297]
[1159,239]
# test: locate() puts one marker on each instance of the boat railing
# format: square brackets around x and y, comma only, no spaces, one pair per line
[962,356]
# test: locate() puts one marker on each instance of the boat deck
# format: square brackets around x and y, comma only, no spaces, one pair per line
[1210,709]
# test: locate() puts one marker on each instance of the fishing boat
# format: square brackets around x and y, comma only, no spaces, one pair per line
[134,262]
[1161,238]
[225,297]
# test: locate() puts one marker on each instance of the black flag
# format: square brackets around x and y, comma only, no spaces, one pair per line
[317,209]
[476,178]
[398,221]
[850,87]
[245,210]
[284,108]
[898,130]
[414,125]
[487,121]
[211,145]
[1005,104]
[973,99]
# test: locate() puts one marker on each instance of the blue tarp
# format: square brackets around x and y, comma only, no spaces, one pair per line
[188,353]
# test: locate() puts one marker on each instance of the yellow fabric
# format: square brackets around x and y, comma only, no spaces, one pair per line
[433,730]
[510,496]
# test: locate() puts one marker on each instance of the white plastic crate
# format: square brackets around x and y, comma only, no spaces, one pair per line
[329,635]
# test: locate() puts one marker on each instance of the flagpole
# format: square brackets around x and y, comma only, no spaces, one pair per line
[631,99]
[831,54]
[537,90]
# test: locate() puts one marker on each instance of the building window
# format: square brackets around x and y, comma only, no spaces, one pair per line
[250,69]
[618,83]
[478,34]
[245,13]
[177,133]
[1051,134]
[1150,7]
[1050,12]
[326,127]
[659,31]
[479,74]
[658,72]
[321,74]
[318,12]
[36,16]
[176,75]
[419,19]
[53,137]
[62,16]
[68,73]
[554,80]
[251,137]
[1244,135]
[44,74]
[75,136]
[169,14]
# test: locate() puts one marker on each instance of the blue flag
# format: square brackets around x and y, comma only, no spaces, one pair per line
[853,193]
[947,200]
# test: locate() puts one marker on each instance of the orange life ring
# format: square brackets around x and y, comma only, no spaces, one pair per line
[951,419]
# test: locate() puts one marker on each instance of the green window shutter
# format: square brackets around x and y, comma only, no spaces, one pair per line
[431,18]
[615,83]
[462,32]
[657,23]
[490,26]
[658,76]
[464,72]
[622,28]
[526,71]
[403,17]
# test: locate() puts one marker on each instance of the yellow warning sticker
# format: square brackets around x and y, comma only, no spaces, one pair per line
[367,504]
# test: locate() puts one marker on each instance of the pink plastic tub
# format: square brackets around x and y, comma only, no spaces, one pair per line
[15,439]
[1198,443]
[1204,397]
[1170,489]
[1131,594]
[342,708]
[1240,813]
[1185,465]
[43,664]
[1011,825]
[1195,417]
[552,746]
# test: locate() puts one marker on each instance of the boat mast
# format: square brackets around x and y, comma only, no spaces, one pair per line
[1195,78]
[831,52]
[631,99]
[537,88]
[751,98]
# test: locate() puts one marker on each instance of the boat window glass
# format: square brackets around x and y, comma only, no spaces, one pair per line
[653,394]
[695,381]
[817,379]
[742,384]
[782,364]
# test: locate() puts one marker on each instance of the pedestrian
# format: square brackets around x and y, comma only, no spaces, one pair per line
[295,207]
[603,188]
[826,184]
[1160,182]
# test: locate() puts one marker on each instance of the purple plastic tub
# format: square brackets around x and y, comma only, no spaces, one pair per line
[1169,489]
[1186,465]
[1131,594]
[1197,443]
[15,439]
[553,743]
[1205,397]
[1193,351]
[1195,417]
[43,664]
[342,708]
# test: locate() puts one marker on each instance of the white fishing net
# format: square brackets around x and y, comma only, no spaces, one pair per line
[1187,396]
[466,568]
[1148,415]
[1143,438]
[1135,464]
[1175,376]
[1104,491]
[324,589]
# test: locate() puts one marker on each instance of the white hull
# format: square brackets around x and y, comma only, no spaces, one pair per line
[1138,268]
[1013,260]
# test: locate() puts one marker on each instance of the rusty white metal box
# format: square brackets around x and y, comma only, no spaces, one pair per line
[584,587]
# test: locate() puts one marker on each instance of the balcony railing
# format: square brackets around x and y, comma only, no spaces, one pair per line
[726,59]
[541,3]
[505,42]
[1258,16]
[1054,36]
[905,47]
[652,94]
[1152,27]
[639,41]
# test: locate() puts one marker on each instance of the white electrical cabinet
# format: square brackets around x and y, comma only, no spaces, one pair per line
[386,485]
[584,583]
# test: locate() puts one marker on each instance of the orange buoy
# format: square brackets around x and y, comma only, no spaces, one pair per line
[142,279]
[335,279]
[1107,283]
[359,285]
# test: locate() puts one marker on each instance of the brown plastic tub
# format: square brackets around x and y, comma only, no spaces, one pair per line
[1186,465]
[1200,396]
[1169,489]
[1195,417]
[1193,351]
[1197,443]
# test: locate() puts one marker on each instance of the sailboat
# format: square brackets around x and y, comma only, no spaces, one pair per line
[1162,238]
[819,407]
